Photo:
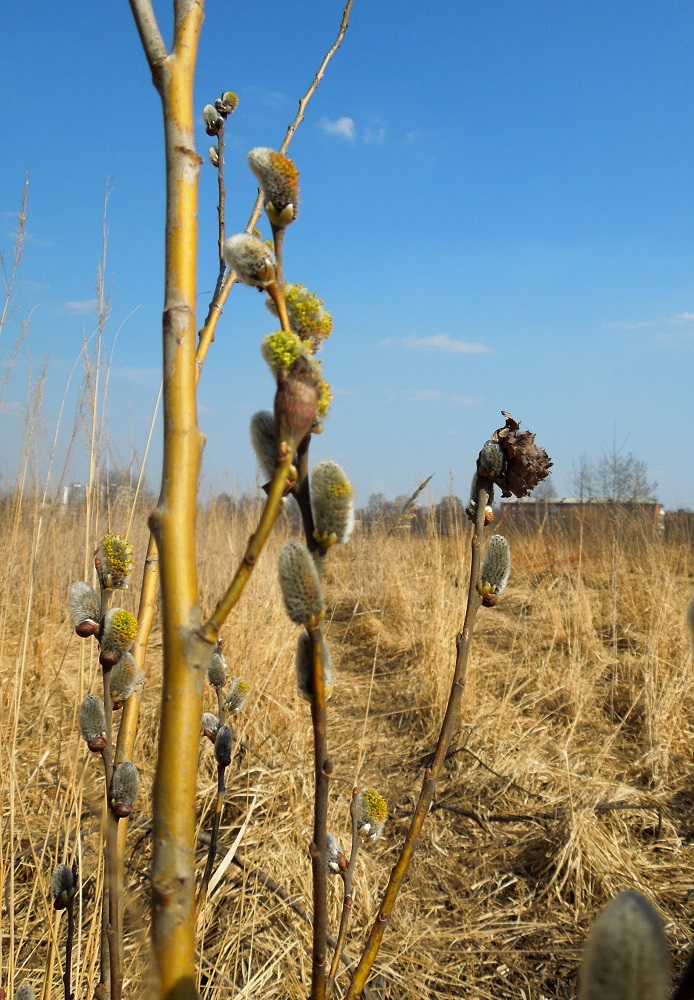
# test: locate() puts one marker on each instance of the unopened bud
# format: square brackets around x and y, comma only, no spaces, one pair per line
[85,609]
[124,789]
[253,261]
[372,812]
[25,992]
[264,441]
[214,122]
[114,562]
[213,156]
[222,746]
[210,725]
[120,628]
[626,955]
[495,572]
[332,503]
[301,587]
[92,720]
[125,677]
[238,695]
[304,667]
[336,861]
[62,886]
[278,179]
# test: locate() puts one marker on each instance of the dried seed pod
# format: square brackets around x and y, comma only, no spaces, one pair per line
[85,609]
[125,677]
[114,562]
[222,746]
[264,441]
[495,571]
[120,628]
[526,464]
[124,788]
[92,720]
[301,587]
[217,670]
[336,861]
[332,502]
[278,179]
[210,725]
[372,812]
[252,260]
[626,956]
[238,695]
[62,886]
[304,667]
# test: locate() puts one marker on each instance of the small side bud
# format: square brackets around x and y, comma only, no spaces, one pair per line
[264,441]
[124,788]
[301,587]
[253,261]
[92,720]
[222,746]
[495,571]
[217,670]
[372,812]
[278,179]
[210,726]
[336,861]
[120,628]
[114,562]
[125,677]
[626,956]
[85,609]
[238,695]
[213,156]
[332,502]
[62,886]
[304,667]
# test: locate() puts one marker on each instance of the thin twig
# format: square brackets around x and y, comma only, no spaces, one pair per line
[214,836]
[322,769]
[348,899]
[463,643]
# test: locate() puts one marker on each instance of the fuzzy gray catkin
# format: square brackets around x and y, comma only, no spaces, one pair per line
[62,886]
[85,609]
[217,670]
[125,677]
[279,181]
[334,855]
[496,569]
[92,721]
[626,956]
[124,789]
[253,261]
[238,695]
[304,667]
[222,746]
[301,587]
[372,812]
[210,725]
[332,502]
[264,441]
[25,992]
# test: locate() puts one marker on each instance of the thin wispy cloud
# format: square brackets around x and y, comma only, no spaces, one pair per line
[438,396]
[344,127]
[685,317]
[643,324]
[11,409]
[140,377]
[444,342]
[80,308]
[374,134]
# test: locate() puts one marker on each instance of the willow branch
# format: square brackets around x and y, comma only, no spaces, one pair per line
[214,836]
[463,643]
[322,769]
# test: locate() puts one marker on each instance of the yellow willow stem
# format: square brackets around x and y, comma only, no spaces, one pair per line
[173,521]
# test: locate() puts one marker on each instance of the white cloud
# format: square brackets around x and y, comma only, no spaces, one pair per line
[685,317]
[374,133]
[344,127]
[442,342]
[80,308]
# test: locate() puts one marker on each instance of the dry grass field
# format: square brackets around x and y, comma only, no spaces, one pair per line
[571,777]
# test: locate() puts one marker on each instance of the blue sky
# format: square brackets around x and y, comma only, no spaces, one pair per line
[497,206]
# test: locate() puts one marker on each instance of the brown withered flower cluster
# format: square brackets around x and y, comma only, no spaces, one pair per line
[512,460]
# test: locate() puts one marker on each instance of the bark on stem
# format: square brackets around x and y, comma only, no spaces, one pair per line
[462,644]
[322,767]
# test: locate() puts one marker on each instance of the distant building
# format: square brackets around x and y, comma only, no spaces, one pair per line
[554,511]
